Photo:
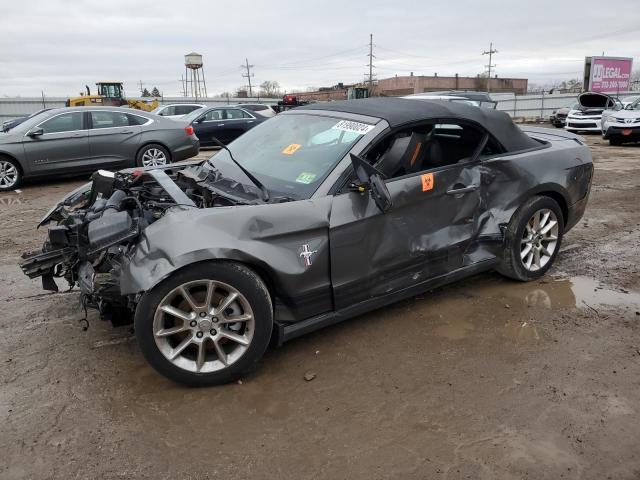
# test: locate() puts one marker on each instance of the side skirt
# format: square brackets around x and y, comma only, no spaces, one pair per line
[294,330]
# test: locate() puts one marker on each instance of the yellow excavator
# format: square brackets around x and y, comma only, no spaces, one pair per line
[110,94]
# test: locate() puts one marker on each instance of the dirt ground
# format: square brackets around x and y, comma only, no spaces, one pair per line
[483,379]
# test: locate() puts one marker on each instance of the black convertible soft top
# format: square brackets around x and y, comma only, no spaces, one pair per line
[400,111]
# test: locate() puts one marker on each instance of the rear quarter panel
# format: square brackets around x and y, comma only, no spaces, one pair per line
[562,168]
[166,132]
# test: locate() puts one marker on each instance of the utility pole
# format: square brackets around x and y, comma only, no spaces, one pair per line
[248,75]
[141,90]
[370,64]
[490,53]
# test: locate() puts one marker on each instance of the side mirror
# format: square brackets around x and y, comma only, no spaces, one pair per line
[200,120]
[35,132]
[372,180]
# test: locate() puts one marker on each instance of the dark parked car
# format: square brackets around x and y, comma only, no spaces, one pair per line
[82,139]
[315,216]
[223,123]
[558,118]
[14,122]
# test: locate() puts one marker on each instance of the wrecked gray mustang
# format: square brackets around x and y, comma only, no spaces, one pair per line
[313,217]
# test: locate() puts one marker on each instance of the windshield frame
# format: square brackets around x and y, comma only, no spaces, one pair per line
[633,106]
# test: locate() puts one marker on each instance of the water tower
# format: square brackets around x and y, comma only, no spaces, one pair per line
[194,83]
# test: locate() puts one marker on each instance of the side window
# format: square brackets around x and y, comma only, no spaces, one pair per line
[136,119]
[425,147]
[109,119]
[170,110]
[214,115]
[184,109]
[233,113]
[67,122]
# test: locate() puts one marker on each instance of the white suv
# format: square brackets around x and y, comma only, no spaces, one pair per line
[177,110]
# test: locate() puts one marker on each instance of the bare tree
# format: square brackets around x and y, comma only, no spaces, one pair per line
[270,88]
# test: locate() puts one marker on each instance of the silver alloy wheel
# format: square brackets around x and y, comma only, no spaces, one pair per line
[203,326]
[153,157]
[8,174]
[539,240]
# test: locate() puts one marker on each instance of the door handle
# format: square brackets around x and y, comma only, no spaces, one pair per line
[127,132]
[462,190]
[78,135]
[219,125]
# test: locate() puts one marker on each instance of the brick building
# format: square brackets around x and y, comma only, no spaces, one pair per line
[408,84]
[405,85]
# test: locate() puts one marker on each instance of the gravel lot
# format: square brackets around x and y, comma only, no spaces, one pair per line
[486,378]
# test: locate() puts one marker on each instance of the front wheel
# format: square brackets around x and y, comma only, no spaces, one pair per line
[10,175]
[205,325]
[532,239]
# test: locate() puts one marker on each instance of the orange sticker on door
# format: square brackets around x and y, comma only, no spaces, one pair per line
[291,149]
[427,182]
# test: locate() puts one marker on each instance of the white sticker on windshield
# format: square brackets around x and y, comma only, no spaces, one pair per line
[355,127]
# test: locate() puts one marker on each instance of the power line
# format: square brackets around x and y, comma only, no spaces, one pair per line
[490,53]
[248,75]
[295,64]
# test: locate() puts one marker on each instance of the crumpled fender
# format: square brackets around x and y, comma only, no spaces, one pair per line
[266,236]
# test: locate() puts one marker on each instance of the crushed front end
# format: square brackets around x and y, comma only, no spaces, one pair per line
[94,231]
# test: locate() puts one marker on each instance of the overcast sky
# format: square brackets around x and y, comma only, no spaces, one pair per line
[59,46]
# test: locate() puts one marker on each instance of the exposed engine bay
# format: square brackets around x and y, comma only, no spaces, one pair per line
[95,228]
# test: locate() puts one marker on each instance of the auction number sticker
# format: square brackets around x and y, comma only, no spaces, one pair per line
[291,149]
[354,127]
[306,178]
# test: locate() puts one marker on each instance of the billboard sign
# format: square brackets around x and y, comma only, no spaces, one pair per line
[608,74]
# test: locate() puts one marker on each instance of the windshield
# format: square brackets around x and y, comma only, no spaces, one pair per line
[190,117]
[292,154]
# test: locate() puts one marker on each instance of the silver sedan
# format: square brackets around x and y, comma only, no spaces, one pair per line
[78,140]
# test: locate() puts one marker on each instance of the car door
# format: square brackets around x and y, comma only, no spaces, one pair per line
[210,125]
[430,226]
[61,146]
[114,137]
[237,121]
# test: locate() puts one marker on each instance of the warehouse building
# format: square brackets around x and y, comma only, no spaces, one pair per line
[408,84]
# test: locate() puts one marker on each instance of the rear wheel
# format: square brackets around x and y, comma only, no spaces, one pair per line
[205,325]
[532,239]
[10,175]
[152,155]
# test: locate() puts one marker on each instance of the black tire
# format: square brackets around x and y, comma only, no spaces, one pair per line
[615,142]
[511,264]
[11,168]
[246,282]
[140,157]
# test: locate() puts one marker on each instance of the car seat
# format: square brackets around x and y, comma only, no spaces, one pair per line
[405,155]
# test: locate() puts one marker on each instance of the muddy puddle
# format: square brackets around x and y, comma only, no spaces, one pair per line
[490,308]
